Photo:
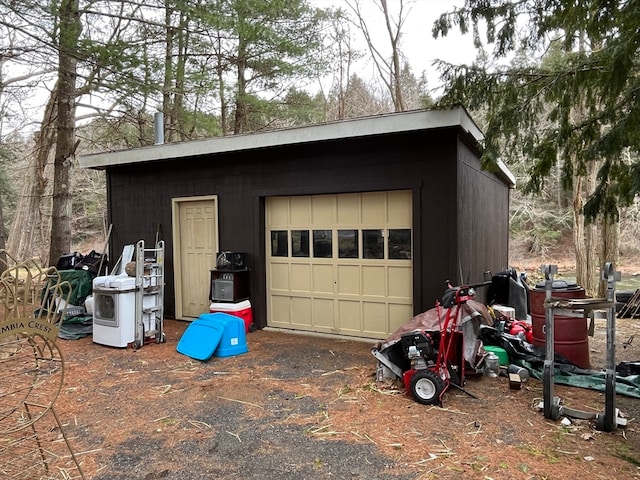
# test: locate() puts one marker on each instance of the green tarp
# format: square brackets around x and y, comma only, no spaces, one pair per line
[565,373]
[591,379]
[81,282]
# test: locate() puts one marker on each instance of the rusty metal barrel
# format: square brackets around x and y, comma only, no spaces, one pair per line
[570,332]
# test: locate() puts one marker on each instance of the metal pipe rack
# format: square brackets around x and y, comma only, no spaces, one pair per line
[610,419]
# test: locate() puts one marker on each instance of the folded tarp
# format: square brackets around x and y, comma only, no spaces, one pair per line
[565,373]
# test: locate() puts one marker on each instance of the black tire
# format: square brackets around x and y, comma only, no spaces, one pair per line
[426,387]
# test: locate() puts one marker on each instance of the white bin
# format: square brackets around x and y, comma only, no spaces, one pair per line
[114,303]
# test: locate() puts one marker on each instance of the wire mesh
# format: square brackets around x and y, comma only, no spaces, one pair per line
[38,452]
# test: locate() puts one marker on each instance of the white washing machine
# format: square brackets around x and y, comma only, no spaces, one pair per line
[114,310]
[114,303]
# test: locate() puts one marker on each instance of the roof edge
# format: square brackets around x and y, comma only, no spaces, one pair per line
[508,174]
[353,128]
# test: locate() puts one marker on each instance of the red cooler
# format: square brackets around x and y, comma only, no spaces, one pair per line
[240,309]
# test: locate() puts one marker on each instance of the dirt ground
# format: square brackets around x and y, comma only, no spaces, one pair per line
[304,407]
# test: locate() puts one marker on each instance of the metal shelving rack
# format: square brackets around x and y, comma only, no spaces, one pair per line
[149,322]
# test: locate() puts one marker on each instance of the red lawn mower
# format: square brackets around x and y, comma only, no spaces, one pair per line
[436,357]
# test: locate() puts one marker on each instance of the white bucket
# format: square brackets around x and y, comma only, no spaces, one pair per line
[508,312]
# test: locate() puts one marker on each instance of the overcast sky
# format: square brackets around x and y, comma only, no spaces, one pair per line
[417,44]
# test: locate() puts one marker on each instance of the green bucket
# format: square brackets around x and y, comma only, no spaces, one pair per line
[502,354]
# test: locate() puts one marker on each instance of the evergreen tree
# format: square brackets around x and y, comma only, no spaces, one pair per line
[579,109]
[264,46]
[600,76]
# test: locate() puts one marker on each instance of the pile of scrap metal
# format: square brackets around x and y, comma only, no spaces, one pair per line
[438,348]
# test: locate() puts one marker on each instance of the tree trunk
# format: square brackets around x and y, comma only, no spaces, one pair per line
[583,240]
[591,234]
[396,91]
[70,27]
[3,252]
[220,71]
[240,123]
[221,89]
[178,103]
[3,243]
[182,47]
[342,76]
[390,71]
[27,234]
[578,231]
[167,106]
[610,252]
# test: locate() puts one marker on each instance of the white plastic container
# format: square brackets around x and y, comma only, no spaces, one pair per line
[508,312]
[114,303]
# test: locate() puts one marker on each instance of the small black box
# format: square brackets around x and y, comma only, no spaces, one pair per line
[94,262]
[68,261]
[231,260]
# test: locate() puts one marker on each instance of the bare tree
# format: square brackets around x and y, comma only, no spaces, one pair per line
[42,224]
[27,236]
[20,41]
[111,59]
[343,56]
[389,67]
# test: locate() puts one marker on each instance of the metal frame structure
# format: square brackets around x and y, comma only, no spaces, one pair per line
[609,419]
[149,303]
[32,374]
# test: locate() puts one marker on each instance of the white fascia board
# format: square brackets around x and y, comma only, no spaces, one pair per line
[507,173]
[360,127]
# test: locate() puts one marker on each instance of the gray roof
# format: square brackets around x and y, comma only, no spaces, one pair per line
[359,127]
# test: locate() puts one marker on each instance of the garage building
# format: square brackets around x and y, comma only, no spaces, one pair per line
[349,228]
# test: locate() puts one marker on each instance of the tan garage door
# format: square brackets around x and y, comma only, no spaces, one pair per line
[340,264]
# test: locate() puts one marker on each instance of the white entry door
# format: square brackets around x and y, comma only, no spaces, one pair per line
[195,240]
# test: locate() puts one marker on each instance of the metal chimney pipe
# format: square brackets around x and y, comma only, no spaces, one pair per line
[158,128]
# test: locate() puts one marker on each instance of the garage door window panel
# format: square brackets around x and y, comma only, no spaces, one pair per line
[348,244]
[322,244]
[300,243]
[280,243]
[400,244]
[372,244]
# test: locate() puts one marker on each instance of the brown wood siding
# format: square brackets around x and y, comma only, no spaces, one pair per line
[139,198]
[483,227]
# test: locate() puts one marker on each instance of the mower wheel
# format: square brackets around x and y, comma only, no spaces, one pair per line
[426,387]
